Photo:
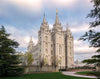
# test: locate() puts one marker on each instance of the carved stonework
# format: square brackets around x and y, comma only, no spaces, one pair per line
[54,47]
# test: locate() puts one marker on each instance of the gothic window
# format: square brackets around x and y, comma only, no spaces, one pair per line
[46,38]
[51,52]
[60,49]
[46,44]
[46,50]
[45,60]
[72,59]
[59,39]
[70,48]
[60,60]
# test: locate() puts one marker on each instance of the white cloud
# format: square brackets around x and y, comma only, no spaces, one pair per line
[61,3]
[33,6]
[67,3]
[21,36]
[82,56]
[36,6]
[82,28]
[50,26]
[82,47]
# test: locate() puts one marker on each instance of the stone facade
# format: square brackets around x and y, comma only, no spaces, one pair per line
[54,47]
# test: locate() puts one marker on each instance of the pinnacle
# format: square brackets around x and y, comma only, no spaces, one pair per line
[44,19]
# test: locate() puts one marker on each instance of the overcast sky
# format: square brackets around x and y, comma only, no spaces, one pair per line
[22,18]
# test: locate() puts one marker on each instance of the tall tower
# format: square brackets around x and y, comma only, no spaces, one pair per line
[30,46]
[69,50]
[44,36]
[58,42]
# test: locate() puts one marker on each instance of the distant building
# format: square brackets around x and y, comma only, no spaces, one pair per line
[54,47]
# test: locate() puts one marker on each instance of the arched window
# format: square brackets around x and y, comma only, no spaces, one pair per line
[46,44]
[45,60]
[60,60]
[46,38]
[60,49]
[59,39]
[70,48]
[46,50]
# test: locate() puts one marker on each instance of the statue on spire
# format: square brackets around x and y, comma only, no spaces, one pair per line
[56,11]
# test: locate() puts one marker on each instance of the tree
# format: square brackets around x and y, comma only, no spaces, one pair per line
[41,62]
[93,36]
[29,58]
[22,58]
[9,60]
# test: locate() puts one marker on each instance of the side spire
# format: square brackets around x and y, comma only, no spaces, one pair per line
[67,27]
[31,38]
[44,19]
[31,42]
[30,45]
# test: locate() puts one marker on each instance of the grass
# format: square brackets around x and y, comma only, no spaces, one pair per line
[84,73]
[95,73]
[54,75]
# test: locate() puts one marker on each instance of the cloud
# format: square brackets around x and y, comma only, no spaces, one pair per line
[25,5]
[50,26]
[83,47]
[37,6]
[21,36]
[59,3]
[82,56]
[81,28]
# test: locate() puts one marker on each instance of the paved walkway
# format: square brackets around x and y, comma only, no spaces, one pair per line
[71,73]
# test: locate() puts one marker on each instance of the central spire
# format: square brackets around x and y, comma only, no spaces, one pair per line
[57,18]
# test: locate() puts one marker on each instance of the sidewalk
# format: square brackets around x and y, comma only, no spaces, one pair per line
[71,73]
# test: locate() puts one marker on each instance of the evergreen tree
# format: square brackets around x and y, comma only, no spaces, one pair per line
[93,35]
[9,60]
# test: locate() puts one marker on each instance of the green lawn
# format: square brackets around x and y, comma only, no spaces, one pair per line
[89,73]
[54,75]
[84,73]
